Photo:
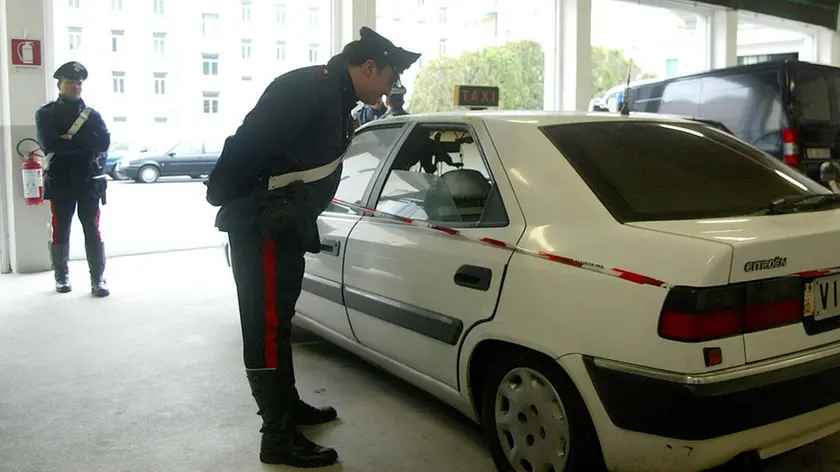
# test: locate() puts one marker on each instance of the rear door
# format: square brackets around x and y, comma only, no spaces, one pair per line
[413,293]
[815,96]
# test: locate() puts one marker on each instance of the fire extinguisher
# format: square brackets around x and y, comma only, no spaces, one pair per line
[32,172]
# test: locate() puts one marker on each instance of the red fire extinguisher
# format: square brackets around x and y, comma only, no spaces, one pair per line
[32,172]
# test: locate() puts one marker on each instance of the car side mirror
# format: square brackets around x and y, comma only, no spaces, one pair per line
[170,154]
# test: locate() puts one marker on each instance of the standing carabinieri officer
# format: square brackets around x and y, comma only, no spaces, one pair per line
[73,136]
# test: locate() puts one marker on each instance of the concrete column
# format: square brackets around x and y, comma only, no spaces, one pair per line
[828,47]
[723,39]
[348,17]
[575,54]
[22,92]
[553,70]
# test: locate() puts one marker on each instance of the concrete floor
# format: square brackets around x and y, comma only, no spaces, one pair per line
[151,380]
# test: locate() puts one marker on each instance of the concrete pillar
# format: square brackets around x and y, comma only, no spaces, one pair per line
[348,17]
[828,46]
[723,39]
[574,61]
[22,92]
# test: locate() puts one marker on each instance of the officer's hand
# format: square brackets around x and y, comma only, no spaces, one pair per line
[66,136]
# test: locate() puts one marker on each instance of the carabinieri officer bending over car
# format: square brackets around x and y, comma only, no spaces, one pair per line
[74,136]
[274,178]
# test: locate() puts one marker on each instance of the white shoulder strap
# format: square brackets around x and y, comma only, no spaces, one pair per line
[81,120]
[83,117]
[307,176]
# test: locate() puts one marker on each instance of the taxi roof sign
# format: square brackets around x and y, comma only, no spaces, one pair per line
[476,96]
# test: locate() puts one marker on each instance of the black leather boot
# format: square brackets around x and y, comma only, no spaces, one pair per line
[281,442]
[95,252]
[59,255]
[308,415]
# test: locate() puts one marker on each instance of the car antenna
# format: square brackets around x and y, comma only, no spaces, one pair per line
[625,104]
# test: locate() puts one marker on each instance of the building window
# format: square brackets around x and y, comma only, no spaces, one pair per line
[246,49]
[211,103]
[442,16]
[160,83]
[313,53]
[281,14]
[74,3]
[116,40]
[210,65]
[158,6]
[671,67]
[75,37]
[159,40]
[442,47]
[313,17]
[209,24]
[281,50]
[246,11]
[117,5]
[247,78]
[118,79]
[120,120]
[160,120]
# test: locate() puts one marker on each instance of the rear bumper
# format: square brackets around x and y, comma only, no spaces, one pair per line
[701,408]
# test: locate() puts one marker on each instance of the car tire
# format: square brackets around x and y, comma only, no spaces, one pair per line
[148,174]
[534,423]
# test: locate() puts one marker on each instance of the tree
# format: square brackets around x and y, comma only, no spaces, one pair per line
[609,68]
[517,68]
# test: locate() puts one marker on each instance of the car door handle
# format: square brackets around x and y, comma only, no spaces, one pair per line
[331,246]
[474,277]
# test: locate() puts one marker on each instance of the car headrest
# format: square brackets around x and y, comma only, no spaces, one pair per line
[459,195]
[465,184]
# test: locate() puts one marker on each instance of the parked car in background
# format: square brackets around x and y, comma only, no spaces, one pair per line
[789,109]
[118,152]
[193,159]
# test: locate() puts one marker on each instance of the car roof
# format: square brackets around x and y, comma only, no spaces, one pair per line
[535,118]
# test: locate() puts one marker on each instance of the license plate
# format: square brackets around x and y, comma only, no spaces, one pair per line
[818,153]
[822,297]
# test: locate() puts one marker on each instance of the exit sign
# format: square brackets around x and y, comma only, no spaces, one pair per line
[476,96]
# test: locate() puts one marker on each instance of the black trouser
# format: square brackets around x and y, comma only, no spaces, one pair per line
[62,219]
[268,283]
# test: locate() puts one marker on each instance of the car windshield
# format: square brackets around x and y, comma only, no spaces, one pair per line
[648,171]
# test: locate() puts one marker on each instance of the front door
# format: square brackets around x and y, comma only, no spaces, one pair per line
[321,299]
[412,293]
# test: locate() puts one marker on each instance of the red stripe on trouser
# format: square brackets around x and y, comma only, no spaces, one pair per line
[54,223]
[96,223]
[270,299]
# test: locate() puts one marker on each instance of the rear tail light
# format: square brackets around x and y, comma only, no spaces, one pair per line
[702,314]
[790,148]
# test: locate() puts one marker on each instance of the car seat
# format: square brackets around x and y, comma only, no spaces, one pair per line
[458,196]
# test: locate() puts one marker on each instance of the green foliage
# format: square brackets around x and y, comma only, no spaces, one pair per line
[609,68]
[517,68]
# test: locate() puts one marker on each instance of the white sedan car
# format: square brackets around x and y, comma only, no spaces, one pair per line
[642,293]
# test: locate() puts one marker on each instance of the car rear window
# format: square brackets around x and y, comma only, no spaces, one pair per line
[647,171]
[814,89]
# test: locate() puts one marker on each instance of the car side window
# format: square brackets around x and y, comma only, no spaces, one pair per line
[440,175]
[361,160]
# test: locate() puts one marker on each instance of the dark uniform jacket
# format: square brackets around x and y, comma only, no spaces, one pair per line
[75,162]
[302,121]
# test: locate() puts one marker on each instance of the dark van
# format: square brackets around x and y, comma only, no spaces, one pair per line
[789,109]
